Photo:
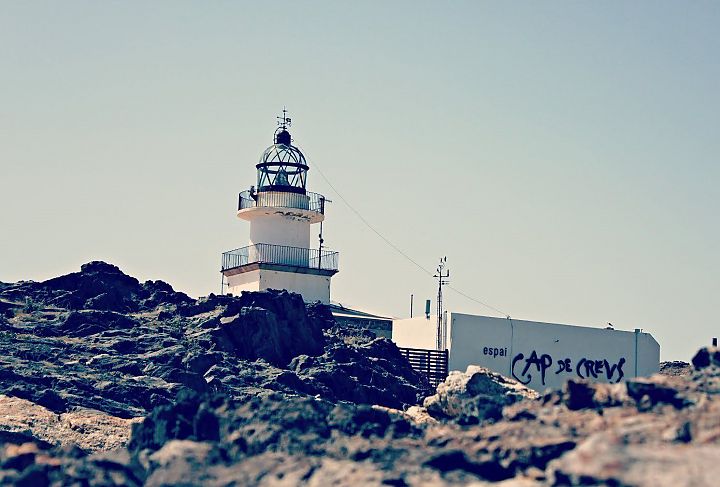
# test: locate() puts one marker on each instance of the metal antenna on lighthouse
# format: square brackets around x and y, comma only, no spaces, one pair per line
[442,276]
[284,122]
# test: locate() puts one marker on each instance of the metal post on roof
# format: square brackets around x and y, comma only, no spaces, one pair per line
[441,276]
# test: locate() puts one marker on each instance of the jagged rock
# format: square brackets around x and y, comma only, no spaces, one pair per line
[606,459]
[276,438]
[85,428]
[362,438]
[276,335]
[642,393]
[373,373]
[675,368]
[706,357]
[90,322]
[98,286]
[648,393]
[260,389]
[475,395]
[582,394]
[148,342]
[7,308]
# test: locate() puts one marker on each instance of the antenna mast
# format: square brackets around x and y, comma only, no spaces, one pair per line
[284,122]
[442,276]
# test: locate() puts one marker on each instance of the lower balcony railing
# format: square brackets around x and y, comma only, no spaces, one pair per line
[281,254]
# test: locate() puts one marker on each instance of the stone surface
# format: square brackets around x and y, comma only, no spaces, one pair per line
[476,395]
[707,357]
[87,429]
[606,459]
[675,368]
[262,390]
[101,340]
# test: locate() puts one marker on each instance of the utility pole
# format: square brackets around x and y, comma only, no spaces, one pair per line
[442,275]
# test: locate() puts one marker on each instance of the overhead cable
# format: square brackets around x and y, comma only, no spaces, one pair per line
[398,249]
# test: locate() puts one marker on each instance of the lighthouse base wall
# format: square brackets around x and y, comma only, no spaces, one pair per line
[313,287]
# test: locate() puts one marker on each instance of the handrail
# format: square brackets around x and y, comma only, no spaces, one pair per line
[282,199]
[280,254]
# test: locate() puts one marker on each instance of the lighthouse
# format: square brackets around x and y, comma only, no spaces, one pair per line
[281,212]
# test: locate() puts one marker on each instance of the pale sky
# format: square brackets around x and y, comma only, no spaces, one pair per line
[563,155]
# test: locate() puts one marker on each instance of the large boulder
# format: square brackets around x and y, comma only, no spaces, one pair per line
[706,357]
[367,373]
[272,325]
[98,285]
[475,395]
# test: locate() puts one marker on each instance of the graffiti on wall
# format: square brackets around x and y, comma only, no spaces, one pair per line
[523,368]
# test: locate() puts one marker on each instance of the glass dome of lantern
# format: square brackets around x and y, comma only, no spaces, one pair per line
[282,166]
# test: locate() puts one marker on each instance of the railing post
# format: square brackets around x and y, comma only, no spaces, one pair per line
[427,365]
[446,360]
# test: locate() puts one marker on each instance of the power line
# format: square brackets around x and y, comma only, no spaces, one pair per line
[398,249]
[478,301]
[357,213]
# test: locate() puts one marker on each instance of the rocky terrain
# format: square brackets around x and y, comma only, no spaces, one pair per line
[109,381]
[676,367]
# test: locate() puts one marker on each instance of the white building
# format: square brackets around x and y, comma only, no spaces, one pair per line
[281,211]
[540,355]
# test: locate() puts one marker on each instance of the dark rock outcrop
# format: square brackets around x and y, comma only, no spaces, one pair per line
[262,390]
[271,326]
[707,357]
[98,286]
[100,339]
[585,434]
[676,367]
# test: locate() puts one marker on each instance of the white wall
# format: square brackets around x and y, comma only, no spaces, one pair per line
[312,287]
[418,332]
[245,281]
[524,349]
[279,230]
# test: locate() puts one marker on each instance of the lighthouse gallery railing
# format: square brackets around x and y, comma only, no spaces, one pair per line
[281,254]
[281,199]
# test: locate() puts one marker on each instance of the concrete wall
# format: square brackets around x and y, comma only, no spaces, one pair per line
[543,355]
[312,287]
[418,332]
[246,281]
[279,230]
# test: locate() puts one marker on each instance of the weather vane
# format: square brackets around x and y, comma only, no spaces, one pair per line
[284,121]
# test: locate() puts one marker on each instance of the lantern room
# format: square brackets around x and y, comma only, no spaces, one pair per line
[282,166]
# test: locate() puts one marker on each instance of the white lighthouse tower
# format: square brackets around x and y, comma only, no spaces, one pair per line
[281,211]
